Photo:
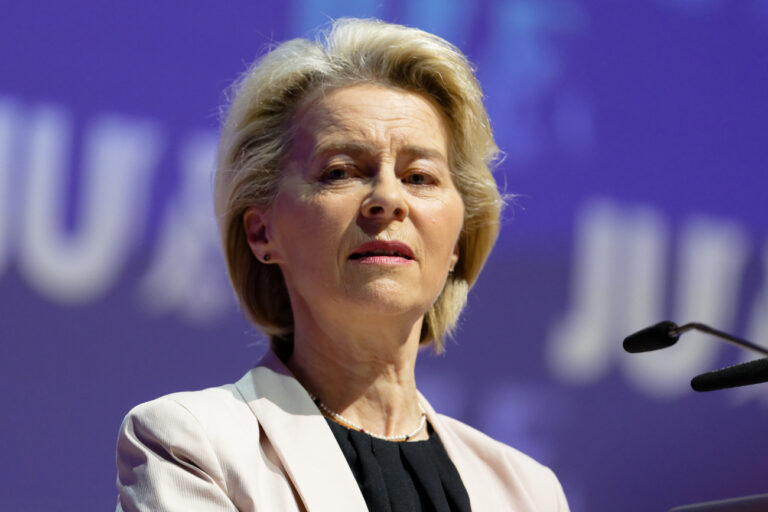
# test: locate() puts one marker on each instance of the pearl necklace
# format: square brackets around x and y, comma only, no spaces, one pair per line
[338,418]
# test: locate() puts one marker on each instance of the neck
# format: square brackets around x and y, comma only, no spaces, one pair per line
[364,374]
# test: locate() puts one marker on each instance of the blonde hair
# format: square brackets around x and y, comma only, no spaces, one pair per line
[256,140]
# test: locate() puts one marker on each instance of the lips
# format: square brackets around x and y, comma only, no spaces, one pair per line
[382,251]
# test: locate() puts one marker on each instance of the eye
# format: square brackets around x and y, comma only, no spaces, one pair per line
[419,178]
[337,173]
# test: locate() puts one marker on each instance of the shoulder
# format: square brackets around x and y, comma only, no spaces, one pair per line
[181,445]
[512,469]
[489,448]
[189,417]
[209,418]
[200,406]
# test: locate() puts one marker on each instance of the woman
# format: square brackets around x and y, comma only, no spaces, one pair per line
[356,208]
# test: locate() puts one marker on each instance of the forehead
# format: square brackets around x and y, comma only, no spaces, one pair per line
[385,117]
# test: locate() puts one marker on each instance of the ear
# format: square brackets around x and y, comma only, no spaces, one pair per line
[256,225]
[454,256]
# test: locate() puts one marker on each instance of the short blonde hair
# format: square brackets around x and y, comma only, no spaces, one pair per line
[256,140]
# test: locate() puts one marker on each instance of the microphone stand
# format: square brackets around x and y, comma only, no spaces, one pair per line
[677,331]
[665,334]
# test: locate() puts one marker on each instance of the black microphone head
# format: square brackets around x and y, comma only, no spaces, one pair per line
[654,337]
[744,374]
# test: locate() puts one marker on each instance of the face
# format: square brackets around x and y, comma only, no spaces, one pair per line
[367,217]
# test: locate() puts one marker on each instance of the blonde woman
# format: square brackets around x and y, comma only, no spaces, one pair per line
[356,208]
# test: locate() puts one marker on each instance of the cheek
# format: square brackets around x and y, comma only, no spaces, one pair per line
[444,229]
[452,214]
[309,232]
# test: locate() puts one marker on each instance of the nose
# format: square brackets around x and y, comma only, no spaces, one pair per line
[386,200]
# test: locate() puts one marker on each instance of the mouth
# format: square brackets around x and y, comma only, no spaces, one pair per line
[382,252]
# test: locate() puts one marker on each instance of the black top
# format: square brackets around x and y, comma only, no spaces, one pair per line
[402,477]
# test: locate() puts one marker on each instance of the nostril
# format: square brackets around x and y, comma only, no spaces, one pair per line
[375,210]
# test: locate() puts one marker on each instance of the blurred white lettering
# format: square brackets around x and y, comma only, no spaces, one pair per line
[757,332]
[186,271]
[619,284]
[711,258]
[616,285]
[7,131]
[118,155]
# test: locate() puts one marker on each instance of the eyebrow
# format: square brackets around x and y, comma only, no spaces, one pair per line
[348,147]
[354,148]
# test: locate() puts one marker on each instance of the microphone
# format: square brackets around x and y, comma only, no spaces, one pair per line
[744,374]
[654,337]
[665,334]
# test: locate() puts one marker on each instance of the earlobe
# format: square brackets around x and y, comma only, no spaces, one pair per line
[454,257]
[255,224]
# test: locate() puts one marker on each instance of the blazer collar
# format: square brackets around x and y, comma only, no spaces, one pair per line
[310,454]
[301,437]
[472,475]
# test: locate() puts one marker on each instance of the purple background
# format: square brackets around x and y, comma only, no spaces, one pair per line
[636,135]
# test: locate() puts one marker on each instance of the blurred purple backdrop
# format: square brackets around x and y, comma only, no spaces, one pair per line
[636,136]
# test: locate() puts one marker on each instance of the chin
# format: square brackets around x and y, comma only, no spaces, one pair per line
[390,299]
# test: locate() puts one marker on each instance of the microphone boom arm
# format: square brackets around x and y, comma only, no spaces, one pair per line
[677,331]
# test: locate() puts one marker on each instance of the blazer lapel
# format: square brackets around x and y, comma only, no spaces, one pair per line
[301,438]
[473,475]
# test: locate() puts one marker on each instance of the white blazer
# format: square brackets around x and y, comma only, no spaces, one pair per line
[261,444]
